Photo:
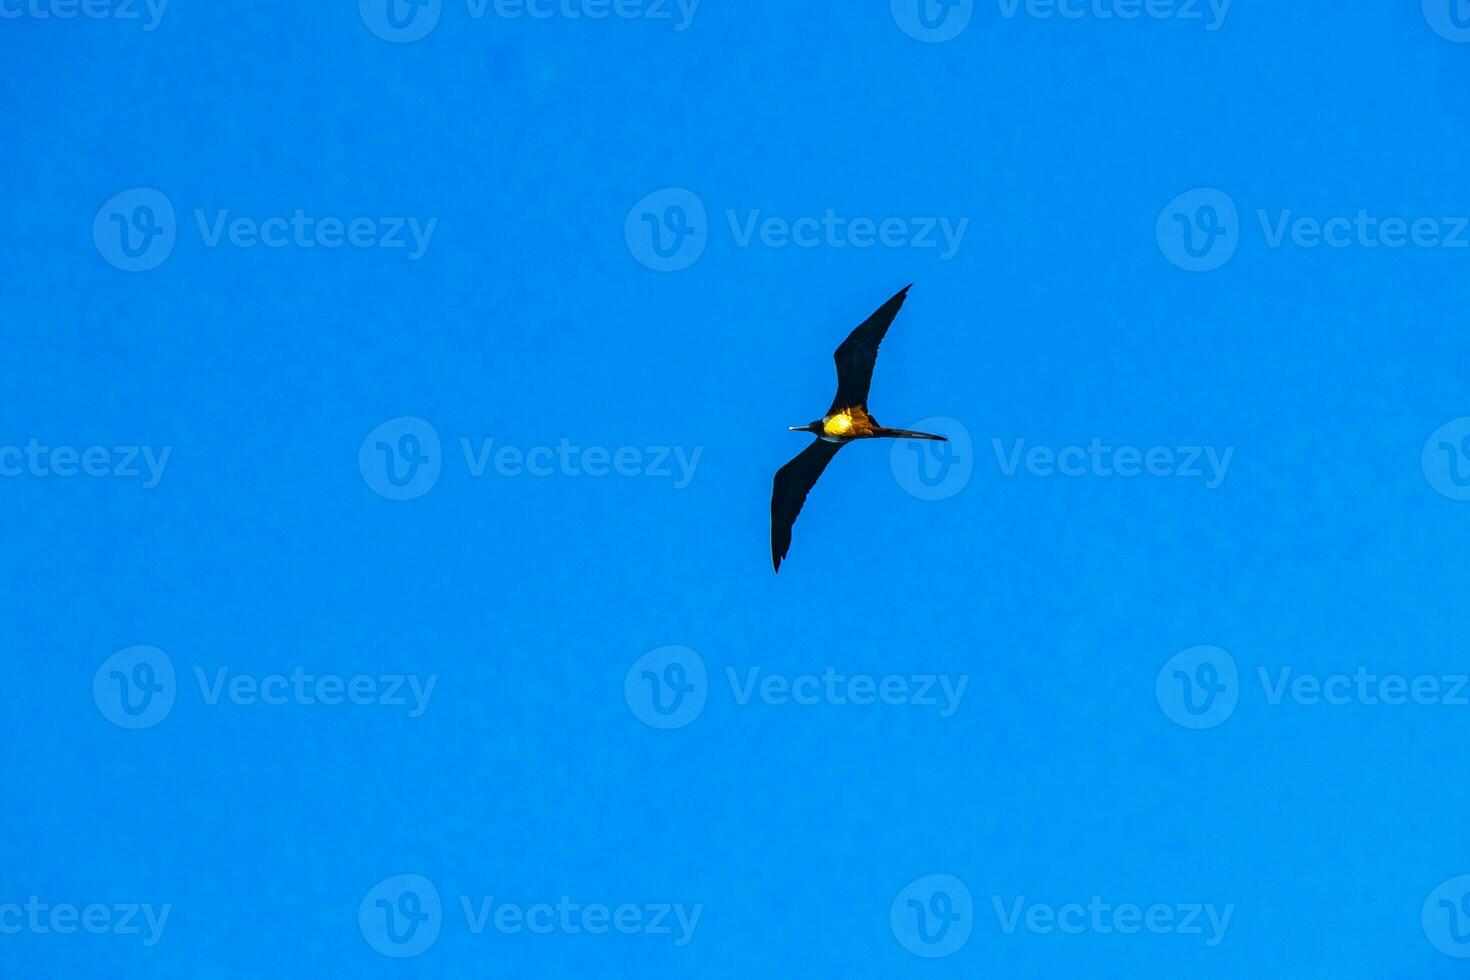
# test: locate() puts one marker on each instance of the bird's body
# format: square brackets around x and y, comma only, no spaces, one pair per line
[846,421]
[849,423]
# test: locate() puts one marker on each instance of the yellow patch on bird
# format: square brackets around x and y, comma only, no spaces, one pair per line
[838,425]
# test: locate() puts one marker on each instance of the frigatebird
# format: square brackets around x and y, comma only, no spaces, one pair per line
[846,421]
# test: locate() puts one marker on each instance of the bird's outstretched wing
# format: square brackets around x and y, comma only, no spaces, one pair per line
[793,482]
[859,352]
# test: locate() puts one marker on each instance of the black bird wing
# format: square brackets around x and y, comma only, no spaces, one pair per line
[859,352]
[793,482]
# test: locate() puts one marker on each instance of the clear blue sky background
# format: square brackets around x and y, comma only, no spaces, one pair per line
[1063,317]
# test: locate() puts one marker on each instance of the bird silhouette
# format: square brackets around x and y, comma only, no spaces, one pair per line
[847,420]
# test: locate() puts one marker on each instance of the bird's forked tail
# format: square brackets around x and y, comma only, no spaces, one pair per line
[909,434]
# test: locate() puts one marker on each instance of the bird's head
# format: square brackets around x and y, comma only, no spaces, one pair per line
[812,427]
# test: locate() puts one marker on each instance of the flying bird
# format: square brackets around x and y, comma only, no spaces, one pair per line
[845,421]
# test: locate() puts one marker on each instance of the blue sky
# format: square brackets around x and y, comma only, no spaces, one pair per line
[393,403]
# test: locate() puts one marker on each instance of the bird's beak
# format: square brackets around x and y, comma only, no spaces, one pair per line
[796,428]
